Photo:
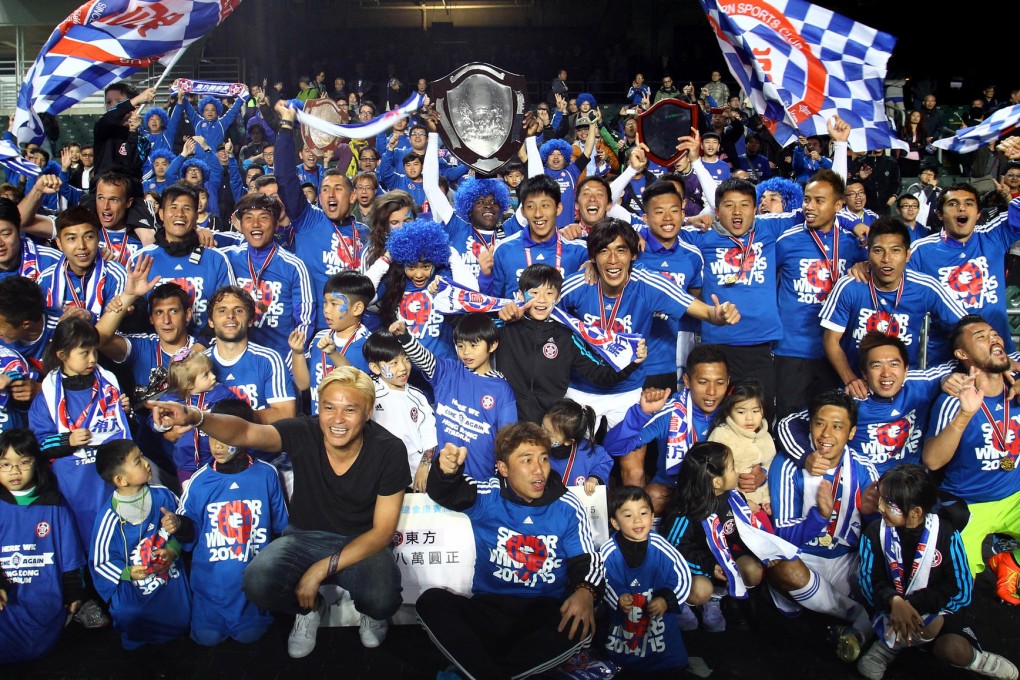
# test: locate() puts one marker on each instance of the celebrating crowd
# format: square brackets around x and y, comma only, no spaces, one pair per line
[228,353]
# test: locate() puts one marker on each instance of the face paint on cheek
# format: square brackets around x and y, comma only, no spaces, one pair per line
[528,297]
[342,303]
[386,371]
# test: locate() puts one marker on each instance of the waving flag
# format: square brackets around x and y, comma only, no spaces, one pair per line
[801,64]
[105,41]
[618,350]
[367,130]
[999,124]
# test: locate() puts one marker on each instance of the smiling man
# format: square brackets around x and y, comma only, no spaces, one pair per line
[537,568]
[349,480]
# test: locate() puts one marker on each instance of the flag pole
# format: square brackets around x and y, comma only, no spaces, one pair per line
[173,62]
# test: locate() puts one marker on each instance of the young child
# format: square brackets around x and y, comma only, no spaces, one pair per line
[132,557]
[37,592]
[739,424]
[700,522]
[646,578]
[78,408]
[345,297]
[191,380]
[574,453]
[914,575]
[161,159]
[472,400]
[228,514]
[401,408]
[81,278]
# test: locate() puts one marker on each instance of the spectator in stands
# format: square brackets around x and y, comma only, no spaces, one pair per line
[639,92]
[717,89]
[306,90]
[668,89]
[914,134]
[932,118]
[881,178]
[558,87]
[808,159]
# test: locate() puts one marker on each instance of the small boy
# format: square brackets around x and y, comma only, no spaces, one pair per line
[346,295]
[646,579]
[473,404]
[401,408]
[132,557]
[26,327]
[513,175]
[80,278]
[161,159]
[227,515]
[540,378]
[538,242]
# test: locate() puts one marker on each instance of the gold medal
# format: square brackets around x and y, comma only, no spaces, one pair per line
[825,541]
[730,280]
[262,306]
[1006,464]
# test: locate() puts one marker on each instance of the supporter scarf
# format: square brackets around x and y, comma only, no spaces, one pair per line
[105,406]
[367,130]
[618,350]
[208,87]
[29,260]
[92,285]
[920,567]
[765,545]
[846,517]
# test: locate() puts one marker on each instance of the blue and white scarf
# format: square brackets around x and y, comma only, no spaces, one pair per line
[917,579]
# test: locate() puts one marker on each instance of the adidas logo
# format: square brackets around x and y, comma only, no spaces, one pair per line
[230,376]
[234,486]
[664,265]
[894,413]
[998,407]
[635,583]
[178,268]
[378,407]
[550,339]
[527,520]
[540,257]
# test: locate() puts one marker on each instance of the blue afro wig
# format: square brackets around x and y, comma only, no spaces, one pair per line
[472,189]
[793,195]
[587,97]
[421,240]
[160,113]
[555,145]
[210,100]
[162,153]
[196,163]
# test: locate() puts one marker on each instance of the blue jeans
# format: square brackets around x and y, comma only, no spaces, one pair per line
[270,579]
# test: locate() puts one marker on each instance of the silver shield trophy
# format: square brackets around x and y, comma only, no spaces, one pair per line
[481,111]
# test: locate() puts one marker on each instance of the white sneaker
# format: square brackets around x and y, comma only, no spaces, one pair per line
[372,631]
[302,636]
[993,666]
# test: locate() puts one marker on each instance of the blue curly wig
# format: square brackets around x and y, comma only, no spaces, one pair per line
[421,240]
[156,111]
[472,189]
[210,100]
[587,97]
[162,153]
[196,163]
[555,145]
[793,195]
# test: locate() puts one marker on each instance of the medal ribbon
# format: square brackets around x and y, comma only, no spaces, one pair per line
[999,437]
[342,243]
[830,528]
[257,278]
[122,252]
[745,251]
[195,432]
[559,253]
[607,325]
[570,464]
[481,239]
[65,417]
[874,293]
[832,264]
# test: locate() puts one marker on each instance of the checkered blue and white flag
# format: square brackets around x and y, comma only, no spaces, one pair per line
[999,124]
[105,41]
[801,64]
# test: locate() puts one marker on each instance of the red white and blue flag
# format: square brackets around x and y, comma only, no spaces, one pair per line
[801,64]
[105,41]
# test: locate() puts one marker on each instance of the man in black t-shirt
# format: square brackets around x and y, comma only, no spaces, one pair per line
[349,481]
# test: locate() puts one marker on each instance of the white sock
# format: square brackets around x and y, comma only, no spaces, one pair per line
[819,596]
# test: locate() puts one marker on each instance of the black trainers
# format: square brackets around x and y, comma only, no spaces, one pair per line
[91,616]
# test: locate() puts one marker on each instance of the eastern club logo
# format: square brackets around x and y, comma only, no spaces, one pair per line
[529,551]
[884,323]
[42,529]
[488,402]
[415,308]
[550,350]
[728,527]
[414,414]
[967,280]
[187,285]
[263,297]
[234,520]
[733,258]
[474,302]
[819,276]
[936,559]
[893,435]
[635,625]
[398,539]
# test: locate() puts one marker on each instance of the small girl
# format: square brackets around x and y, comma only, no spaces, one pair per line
[914,575]
[699,521]
[574,454]
[35,601]
[646,578]
[78,408]
[740,424]
[190,380]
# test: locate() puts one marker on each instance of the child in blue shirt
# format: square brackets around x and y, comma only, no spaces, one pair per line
[574,455]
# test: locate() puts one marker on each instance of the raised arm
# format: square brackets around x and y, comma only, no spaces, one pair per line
[227,429]
[442,211]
